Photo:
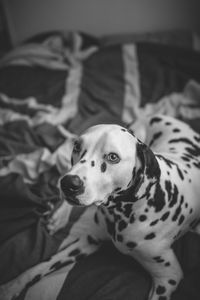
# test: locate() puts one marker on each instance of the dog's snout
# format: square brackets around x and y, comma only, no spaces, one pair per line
[71,184]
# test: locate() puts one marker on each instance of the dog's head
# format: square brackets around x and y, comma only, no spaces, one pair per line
[105,162]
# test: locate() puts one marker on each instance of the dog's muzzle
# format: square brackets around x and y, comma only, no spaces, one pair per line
[72,186]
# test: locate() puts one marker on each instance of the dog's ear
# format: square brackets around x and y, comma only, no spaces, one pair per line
[148,161]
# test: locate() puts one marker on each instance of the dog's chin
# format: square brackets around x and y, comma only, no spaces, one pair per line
[71,200]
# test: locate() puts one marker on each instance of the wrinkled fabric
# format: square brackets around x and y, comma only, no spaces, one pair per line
[111,275]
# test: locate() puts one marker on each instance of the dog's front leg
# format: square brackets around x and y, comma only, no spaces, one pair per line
[59,218]
[165,271]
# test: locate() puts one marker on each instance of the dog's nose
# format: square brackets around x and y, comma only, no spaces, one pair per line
[71,184]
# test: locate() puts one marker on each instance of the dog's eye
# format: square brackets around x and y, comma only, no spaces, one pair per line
[113,158]
[77,147]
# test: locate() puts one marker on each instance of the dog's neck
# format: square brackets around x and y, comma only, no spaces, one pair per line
[135,199]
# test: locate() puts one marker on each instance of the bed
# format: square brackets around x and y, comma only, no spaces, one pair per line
[52,87]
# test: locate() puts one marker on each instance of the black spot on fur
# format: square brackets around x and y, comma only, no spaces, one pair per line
[122,225]
[149,161]
[60,264]
[142,218]
[127,210]
[153,223]
[177,213]
[82,161]
[120,238]
[197,164]
[172,282]
[136,181]
[167,264]
[83,154]
[165,216]
[174,197]
[124,130]
[134,172]
[110,228]
[181,219]
[193,149]
[131,245]
[160,290]
[182,200]
[158,259]
[118,189]
[189,155]
[176,130]
[130,131]
[155,120]
[197,138]
[168,123]
[168,162]
[158,201]
[119,206]
[156,136]
[96,219]
[147,191]
[36,279]
[180,173]
[103,167]
[150,236]
[185,158]
[72,161]
[168,187]
[92,163]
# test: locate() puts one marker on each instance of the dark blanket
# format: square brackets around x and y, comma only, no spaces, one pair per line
[108,274]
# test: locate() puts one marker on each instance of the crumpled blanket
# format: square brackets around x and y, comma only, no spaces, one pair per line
[58,52]
[31,162]
[184,106]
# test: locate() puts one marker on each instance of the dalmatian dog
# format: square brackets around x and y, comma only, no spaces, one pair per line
[147,194]
[141,195]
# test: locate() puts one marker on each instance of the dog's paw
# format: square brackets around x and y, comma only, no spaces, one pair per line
[59,218]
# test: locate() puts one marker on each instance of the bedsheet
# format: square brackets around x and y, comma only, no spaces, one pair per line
[46,99]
